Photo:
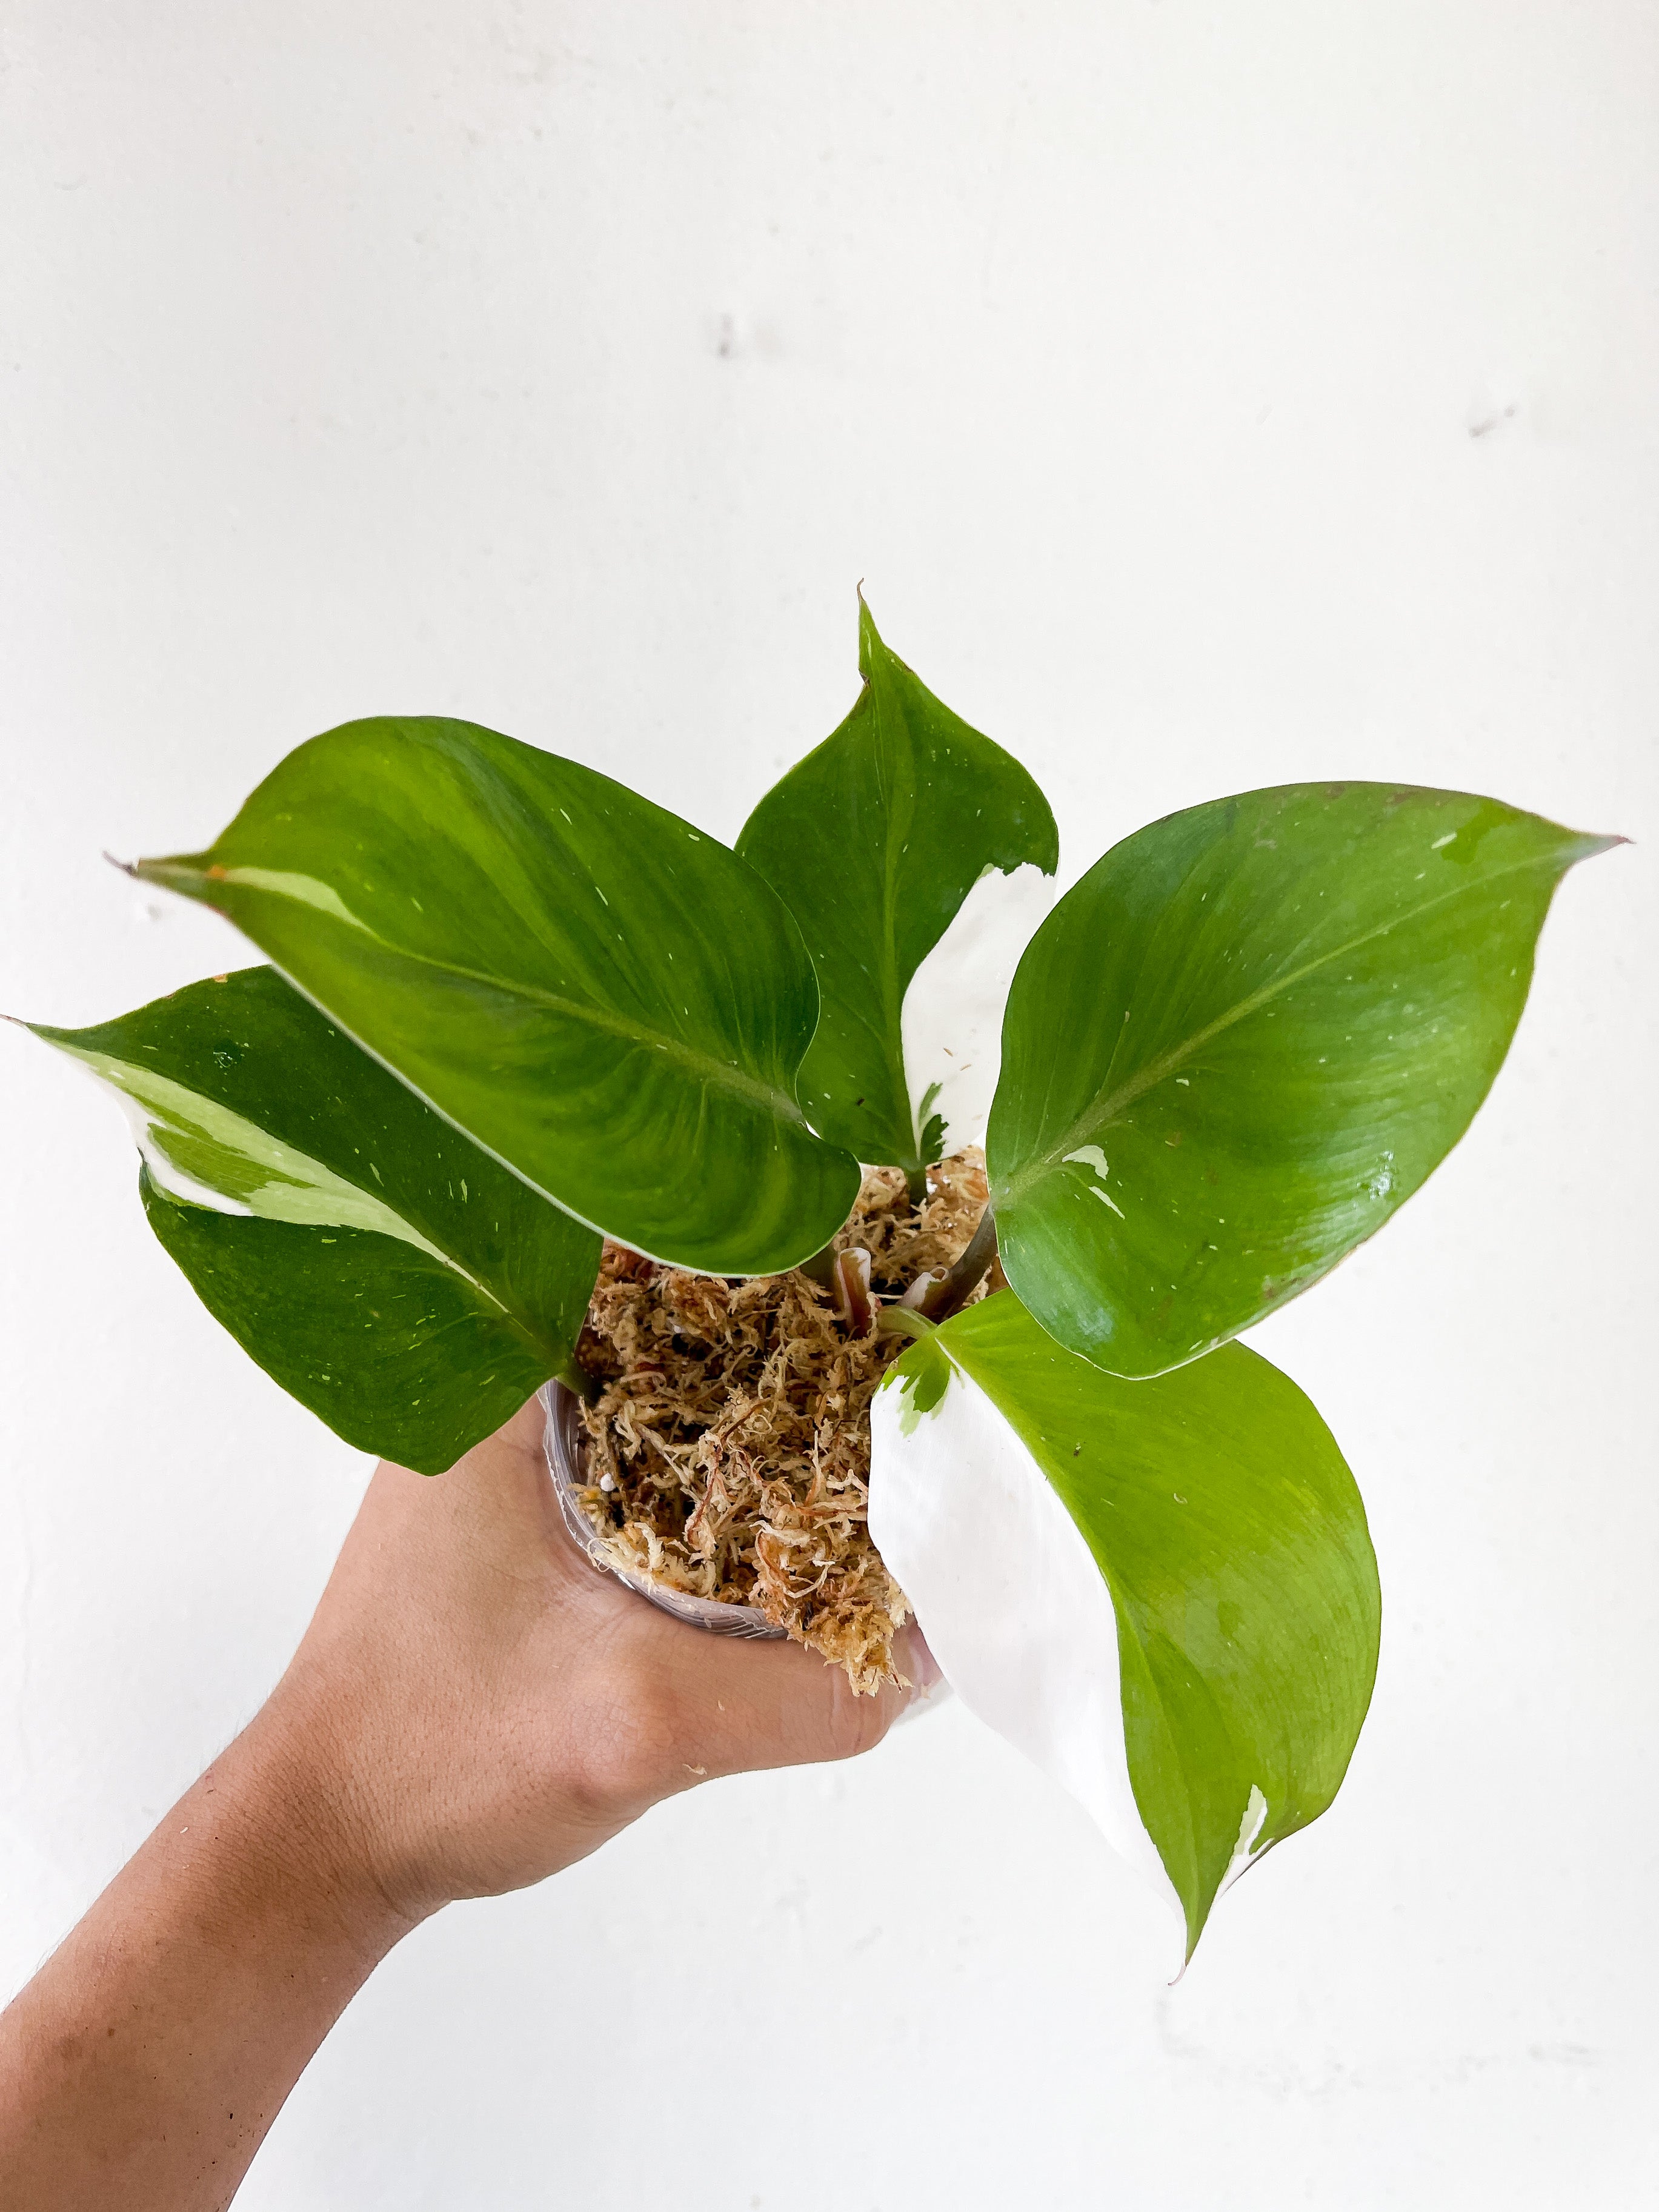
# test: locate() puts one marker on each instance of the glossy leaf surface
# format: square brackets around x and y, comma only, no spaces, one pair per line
[1164,1592]
[874,841]
[386,1272]
[608,1001]
[1246,1037]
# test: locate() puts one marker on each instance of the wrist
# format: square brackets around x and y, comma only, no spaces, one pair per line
[144,2062]
[296,1843]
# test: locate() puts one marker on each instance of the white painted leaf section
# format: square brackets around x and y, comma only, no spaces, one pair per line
[305,890]
[1244,1851]
[278,1182]
[950,1023]
[166,1174]
[1009,1597]
[1090,1156]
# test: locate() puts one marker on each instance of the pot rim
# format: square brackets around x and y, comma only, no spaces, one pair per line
[563,1447]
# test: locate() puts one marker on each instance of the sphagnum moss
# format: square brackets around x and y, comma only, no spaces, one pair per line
[729,1451]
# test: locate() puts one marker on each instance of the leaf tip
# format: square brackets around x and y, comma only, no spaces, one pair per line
[870,642]
[171,874]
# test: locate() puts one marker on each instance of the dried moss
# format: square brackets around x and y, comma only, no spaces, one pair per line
[729,1452]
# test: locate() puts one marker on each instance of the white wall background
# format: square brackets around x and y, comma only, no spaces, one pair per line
[1211,395]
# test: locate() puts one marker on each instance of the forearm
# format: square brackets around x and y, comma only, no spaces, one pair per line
[472,1707]
[144,2063]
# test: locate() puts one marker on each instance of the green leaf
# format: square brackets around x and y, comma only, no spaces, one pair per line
[393,1278]
[608,1001]
[1164,1592]
[1244,1039]
[875,840]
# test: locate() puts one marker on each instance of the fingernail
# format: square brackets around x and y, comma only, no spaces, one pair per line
[929,1686]
[922,1667]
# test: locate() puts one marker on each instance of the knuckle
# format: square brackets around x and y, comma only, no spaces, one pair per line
[624,1754]
[856,1724]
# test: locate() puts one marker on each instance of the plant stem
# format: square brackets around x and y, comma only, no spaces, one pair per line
[943,1296]
[852,1287]
[586,1384]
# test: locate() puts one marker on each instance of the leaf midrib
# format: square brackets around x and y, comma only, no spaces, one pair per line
[1099,1117]
[702,1065]
[887,781]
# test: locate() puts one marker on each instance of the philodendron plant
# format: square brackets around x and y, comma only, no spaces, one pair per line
[512,1008]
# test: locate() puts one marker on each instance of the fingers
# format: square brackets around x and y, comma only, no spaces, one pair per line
[731,1705]
[736,1705]
[476,1565]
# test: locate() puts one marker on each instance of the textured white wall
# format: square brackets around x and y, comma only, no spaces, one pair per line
[1211,396]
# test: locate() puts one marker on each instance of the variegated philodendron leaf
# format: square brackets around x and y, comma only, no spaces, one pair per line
[918,858]
[1162,1592]
[386,1272]
[607,999]
[1242,1040]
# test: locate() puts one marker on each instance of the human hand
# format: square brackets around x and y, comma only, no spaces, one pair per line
[472,1707]
[478,1707]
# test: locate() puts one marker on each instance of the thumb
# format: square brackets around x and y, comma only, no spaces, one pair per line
[742,1705]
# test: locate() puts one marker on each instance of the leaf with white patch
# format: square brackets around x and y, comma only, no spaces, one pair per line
[1242,1040]
[917,857]
[386,1272]
[1162,1592]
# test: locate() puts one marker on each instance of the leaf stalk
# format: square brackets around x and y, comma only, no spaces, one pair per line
[948,1291]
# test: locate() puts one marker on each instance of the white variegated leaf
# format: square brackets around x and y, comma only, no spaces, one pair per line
[918,859]
[386,1272]
[952,1020]
[1162,1592]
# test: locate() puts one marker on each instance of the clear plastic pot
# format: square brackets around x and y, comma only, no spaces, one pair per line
[565,1442]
